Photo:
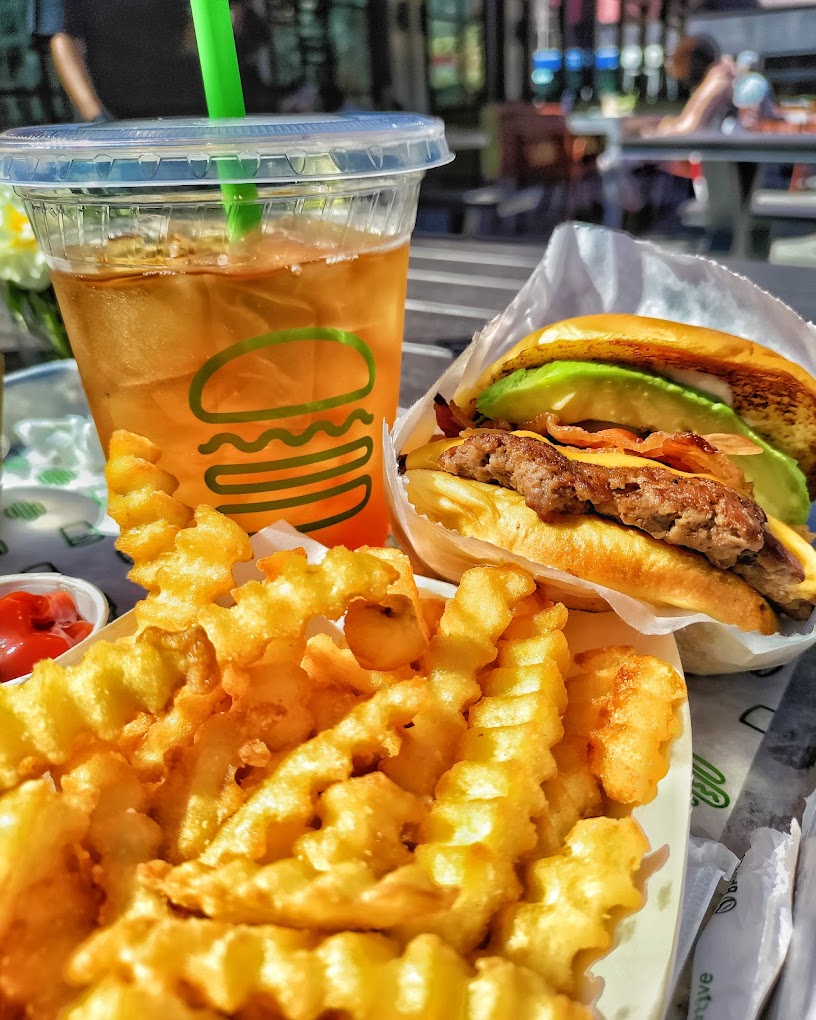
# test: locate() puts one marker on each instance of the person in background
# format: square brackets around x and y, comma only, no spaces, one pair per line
[700,68]
[69,62]
[707,76]
[130,58]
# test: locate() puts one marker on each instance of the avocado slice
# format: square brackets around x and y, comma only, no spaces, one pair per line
[593,390]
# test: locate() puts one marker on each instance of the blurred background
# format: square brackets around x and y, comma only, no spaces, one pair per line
[691,123]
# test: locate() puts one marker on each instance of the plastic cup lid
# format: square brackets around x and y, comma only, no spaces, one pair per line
[195,150]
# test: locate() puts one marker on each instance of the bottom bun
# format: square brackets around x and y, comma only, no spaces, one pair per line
[593,548]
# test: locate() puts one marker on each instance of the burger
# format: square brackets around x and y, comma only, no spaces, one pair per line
[672,463]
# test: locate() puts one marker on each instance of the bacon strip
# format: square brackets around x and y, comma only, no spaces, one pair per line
[684,451]
[732,445]
[450,418]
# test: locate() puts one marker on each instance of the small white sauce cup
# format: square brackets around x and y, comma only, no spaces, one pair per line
[90,602]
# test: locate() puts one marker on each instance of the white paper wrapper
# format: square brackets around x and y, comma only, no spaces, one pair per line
[743,946]
[587,270]
[707,864]
[796,994]
[276,538]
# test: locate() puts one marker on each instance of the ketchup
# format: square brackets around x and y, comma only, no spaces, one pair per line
[34,627]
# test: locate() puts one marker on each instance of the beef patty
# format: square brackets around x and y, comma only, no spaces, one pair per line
[699,514]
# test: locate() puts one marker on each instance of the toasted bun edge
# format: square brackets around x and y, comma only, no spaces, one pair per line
[772,394]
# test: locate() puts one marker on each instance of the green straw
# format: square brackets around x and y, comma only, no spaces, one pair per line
[225,98]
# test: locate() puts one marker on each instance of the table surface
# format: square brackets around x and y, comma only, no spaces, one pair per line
[596,124]
[739,147]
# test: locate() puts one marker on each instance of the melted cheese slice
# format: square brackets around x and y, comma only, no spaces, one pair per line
[427,458]
[802,550]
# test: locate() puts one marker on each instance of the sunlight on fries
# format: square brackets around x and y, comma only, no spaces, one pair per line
[391,632]
[625,710]
[196,573]
[569,898]
[247,811]
[142,503]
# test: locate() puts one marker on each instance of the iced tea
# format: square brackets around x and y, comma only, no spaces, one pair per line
[265,387]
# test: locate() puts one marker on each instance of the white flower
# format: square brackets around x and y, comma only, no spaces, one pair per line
[21,260]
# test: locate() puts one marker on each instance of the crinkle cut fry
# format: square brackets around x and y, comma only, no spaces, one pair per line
[142,503]
[269,714]
[637,718]
[113,999]
[350,897]
[58,914]
[192,706]
[200,791]
[482,820]
[281,606]
[284,803]
[327,664]
[300,976]
[354,872]
[196,572]
[36,823]
[574,792]
[183,568]
[573,900]
[391,633]
[46,719]
[120,836]
[465,642]
[48,906]
[473,621]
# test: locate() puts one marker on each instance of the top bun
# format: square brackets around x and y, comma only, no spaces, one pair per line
[771,394]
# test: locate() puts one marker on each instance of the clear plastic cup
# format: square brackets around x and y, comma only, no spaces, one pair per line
[261,354]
